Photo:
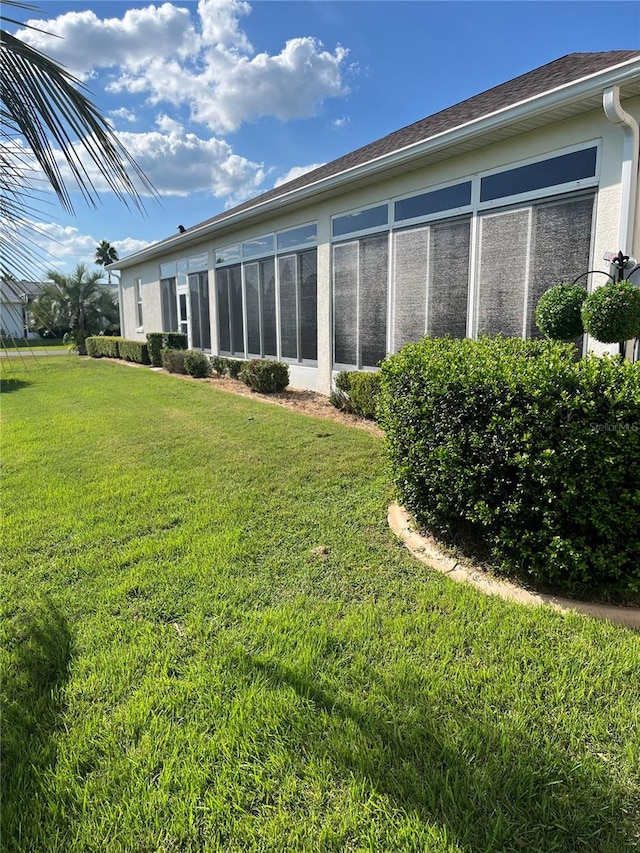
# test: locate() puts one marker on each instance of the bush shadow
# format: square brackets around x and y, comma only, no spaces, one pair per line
[39,646]
[9,385]
[494,787]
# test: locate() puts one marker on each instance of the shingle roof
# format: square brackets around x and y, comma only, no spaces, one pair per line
[557,73]
[567,69]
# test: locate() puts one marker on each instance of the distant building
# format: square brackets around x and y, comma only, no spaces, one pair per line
[15,297]
[453,225]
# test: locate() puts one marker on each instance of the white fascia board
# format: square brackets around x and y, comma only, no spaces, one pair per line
[568,93]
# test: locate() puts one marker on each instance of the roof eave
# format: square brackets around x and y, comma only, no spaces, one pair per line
[573,92]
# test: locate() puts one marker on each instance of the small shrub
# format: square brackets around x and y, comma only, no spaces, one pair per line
[173,360]
[197,364]
[234,366]
[267,377]
[356,392]
[105,346]
[521,454]
[136,351]
[155,342]
[612,312]
[219,364]
[558,312]
[174,340]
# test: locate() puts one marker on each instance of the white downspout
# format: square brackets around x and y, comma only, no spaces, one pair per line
[629,180]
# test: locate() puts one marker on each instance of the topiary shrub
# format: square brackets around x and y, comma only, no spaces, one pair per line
[520,454]
[234,366]
[155,342]
[267,377]
[558,312]
[197,364]
[173,360]
[136,351]
[219,364]
[174,340]
[103,346]
[611,314]
[356,392]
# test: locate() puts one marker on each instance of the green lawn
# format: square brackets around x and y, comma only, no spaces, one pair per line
[212,642]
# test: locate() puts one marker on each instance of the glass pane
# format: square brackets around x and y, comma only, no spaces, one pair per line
[252,295]
[198,262]
[194,298]
[224,315]
[361,221]
[535,176]
[182,274]
[288,306]
[448,279]
[169,309]
[374,254]
[411,255]
[268,302]
[237,324]
[345,294]
[504,245]
[561,241]
[308,305]
[229,255]
[259,246]
[306,235]
[432,202]
[168,270]
[205,316]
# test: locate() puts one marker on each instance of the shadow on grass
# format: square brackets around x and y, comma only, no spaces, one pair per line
[39,649]
[9,385]
[493,786]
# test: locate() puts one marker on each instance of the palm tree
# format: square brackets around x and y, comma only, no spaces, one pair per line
[106,254]
[75,302]
[43,105]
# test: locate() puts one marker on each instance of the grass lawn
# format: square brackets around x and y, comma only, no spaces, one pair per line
[21,345]
[212,642]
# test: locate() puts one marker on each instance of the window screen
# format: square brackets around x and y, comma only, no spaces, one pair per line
[230,324]
[169,306]
[410,261]
[252,296]
[374,259]
[504,246]
[199,296]
[268,304]
[448,279]
[288,306]
[308,277]
[345,307]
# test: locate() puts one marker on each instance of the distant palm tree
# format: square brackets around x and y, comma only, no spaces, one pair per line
[42,105]
[106,254]
[76,302]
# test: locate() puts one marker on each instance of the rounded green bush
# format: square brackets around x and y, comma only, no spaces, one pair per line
[611,314]
[558,312]
[197,364]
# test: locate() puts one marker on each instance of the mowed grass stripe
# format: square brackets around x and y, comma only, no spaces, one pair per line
[212,642]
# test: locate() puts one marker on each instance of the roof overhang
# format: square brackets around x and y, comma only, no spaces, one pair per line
[571,99]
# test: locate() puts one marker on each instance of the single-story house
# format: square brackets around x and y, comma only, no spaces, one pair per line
[453,225]
[15,297]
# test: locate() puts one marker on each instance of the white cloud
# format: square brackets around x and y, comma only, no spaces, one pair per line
[159,52]
[179,163]
[341,122]
[65,246]
[124,114]
[296,172]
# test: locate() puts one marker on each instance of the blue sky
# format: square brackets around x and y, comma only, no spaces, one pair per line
[219,100]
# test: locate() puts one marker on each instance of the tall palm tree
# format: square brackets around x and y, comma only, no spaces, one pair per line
[43,108]
[106,254]
[75,302]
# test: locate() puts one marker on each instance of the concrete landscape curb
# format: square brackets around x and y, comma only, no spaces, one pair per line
[427,551]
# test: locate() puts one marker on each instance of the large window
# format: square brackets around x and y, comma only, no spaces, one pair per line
[200,317]
[431,281]
[169,304]
[550,172]
[267,306]
[360,273]
[523,252]
[137,291]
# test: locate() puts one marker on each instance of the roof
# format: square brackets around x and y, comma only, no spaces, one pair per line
[554,75]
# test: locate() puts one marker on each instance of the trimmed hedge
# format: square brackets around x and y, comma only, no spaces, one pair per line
[522,455]
[357,392]
[197,363]
[158,341]
[100,346]
[173,360]
[136,351]
[265,376]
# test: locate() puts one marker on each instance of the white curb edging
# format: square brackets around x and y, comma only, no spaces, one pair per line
[425,549]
